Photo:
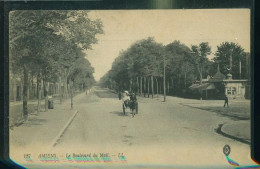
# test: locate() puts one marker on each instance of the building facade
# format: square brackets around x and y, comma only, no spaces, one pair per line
[219,85]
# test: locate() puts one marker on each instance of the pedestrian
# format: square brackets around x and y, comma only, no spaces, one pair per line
[119,95]
[226,101]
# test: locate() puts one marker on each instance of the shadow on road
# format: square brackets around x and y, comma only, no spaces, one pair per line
[237,112]
[119,113]
[126,136]
[34,121]
[105,94]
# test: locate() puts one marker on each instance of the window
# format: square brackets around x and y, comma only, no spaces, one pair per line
[234,91]
[229,90]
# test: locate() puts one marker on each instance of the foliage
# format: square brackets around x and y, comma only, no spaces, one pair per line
[142,59]
[145,59]
[200,59]
[50,42]
[50,45]
[180,66]
[142,63]
[228,51]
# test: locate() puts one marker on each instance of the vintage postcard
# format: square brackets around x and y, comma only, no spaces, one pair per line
[130,88]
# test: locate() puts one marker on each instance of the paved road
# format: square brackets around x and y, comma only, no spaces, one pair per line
[162,133]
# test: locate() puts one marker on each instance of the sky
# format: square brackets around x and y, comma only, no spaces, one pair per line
[191,27]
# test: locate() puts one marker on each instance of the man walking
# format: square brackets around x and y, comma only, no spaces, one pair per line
[119,95]
[226,101]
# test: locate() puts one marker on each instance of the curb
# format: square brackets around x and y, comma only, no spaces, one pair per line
[219,131]
[57,138]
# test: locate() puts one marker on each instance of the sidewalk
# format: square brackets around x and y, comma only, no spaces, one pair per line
[16,110]
[39,131]
[239,130]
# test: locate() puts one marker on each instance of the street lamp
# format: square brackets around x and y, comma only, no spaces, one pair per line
[230,61]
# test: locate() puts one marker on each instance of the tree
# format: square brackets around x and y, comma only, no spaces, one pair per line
[136,67]
[79,75]
[200,59]
[49,42]
[180,68]
[147,61]
[232,59]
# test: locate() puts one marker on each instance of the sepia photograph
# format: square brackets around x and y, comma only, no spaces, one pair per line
[135,89]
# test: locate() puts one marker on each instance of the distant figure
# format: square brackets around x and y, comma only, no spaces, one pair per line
[226,101]
[87,91]
[119,95]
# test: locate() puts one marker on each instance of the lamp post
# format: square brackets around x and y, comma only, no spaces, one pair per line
[230,60]
[199,68]
[239,68]
[164,90]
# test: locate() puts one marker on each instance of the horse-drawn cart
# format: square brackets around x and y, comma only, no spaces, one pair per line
[130,101]
[132,104]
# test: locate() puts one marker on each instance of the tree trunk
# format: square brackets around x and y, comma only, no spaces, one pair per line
[185,79]
[68,90]
[45,94]
[71,95]
[148,87]
[65,91]
[180,83]
[38,94]
[25,93]
[168,87]
[130,86]
[160,87]
[55,88]
[32,88]
[28,90]
[41,90]
[14,89]
[172,87]
[49,88]
[144,86]
[141,85]
[152,86]
[34,92]
[164,85]
[157,89]
[59,89]
[137,81]
[21,90]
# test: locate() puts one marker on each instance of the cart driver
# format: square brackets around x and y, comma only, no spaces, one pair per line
[133,97]
[125,96]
